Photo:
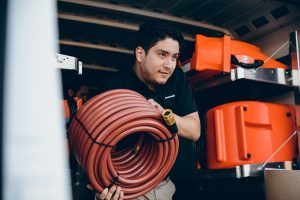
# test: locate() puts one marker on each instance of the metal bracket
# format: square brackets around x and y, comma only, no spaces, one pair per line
[243,171]
[253,170]
[267,75]
[68,62]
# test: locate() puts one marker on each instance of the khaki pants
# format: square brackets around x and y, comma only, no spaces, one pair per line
[163,191]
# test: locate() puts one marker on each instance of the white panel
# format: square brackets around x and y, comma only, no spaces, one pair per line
[271,43]
[35,161]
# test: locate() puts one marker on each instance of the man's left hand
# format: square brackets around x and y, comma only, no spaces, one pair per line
[155,104]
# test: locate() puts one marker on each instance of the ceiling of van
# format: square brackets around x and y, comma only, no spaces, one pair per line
[100,33]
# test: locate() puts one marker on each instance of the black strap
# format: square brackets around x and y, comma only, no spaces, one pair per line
[114,181]
[168,139]
[256,64]
[89,135]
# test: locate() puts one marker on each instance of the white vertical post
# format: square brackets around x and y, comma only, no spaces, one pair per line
[35,157]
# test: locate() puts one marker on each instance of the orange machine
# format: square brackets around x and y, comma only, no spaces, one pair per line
[216,55]
[249,132]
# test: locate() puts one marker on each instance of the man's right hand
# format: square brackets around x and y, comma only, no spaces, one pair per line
[114,193]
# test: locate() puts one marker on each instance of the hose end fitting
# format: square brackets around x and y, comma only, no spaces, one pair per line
[169,119]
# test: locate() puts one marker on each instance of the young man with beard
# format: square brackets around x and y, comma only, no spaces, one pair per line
[155,76]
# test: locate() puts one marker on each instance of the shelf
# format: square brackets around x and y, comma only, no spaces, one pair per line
[245,84]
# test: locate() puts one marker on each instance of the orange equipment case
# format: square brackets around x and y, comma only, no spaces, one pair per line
[213,56]
[249,132]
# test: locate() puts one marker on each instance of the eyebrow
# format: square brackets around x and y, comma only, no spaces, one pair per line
[164,51]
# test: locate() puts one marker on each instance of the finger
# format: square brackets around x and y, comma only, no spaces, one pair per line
[90,187]
[151,101]
[110,192]
[154,103]
[103,194]
[117,193]
[121,195]
[157,105]
[160,108]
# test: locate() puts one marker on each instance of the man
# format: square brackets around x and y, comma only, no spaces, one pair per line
[156,76]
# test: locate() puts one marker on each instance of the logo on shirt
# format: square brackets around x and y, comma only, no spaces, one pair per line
[169,97]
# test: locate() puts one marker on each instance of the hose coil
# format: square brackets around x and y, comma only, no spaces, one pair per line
[107,119]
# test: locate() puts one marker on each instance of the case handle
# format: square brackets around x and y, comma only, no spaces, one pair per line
[220,136]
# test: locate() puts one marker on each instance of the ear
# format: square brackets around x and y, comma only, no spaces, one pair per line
[139,54]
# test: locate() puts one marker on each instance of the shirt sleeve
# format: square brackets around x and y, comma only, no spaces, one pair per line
[185,103]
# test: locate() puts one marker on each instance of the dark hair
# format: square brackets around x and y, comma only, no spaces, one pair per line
[154,31]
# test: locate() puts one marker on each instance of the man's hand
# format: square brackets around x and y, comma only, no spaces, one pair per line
[115,193]
[188,125]
[157,105]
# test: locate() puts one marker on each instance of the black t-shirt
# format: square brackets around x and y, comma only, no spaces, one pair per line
[175,94]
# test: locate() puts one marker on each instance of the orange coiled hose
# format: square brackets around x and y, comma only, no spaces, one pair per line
[104,121]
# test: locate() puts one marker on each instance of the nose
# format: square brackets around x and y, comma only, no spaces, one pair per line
[169,63]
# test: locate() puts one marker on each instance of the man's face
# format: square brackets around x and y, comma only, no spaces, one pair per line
[159,63]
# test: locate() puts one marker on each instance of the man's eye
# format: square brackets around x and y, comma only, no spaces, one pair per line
[162,55]
[174,58]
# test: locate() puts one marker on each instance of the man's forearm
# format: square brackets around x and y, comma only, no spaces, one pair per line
[188,126]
